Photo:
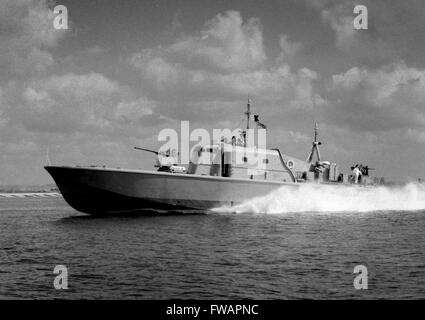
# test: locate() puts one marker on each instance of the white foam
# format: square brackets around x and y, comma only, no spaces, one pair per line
[325,198]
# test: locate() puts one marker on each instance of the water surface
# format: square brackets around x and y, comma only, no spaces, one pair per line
[228,256]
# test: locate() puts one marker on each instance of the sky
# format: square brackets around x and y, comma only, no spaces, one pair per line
[124,70]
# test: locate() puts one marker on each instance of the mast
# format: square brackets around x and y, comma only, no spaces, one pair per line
[248,115]
[316,144]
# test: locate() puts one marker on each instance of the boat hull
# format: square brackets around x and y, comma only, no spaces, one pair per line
[110,191]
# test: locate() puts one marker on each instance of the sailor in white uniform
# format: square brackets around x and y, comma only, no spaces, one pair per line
[357,173]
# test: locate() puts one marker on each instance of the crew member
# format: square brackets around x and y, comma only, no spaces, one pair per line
[166,159]
[233,141]
[357,174]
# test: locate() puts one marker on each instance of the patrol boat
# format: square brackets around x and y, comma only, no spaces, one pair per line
[219,174]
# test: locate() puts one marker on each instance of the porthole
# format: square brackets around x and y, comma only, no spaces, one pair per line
[290,164]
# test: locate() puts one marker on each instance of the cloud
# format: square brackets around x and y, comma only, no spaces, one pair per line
[394,30]
[341,24]
[73,102]
[226,43]
[289,49]
[218,69]
[45,102]
[417,135]
[141,111]
[387,98]
[63,103]
[299,136]
[84,108]
[362,45]
[26,31]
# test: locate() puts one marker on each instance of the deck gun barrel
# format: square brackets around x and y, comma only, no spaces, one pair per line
[147,150]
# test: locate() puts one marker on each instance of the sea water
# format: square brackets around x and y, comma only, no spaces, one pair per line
[303,244]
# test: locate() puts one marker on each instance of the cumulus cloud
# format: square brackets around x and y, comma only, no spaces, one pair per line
[387,98]
[26,31]
[204,77]
[34,96]
[360,44]
[299,136]
[140,111]
[171,77]
[73,102]
[226,43]
[394,29]
[222,65]
[289,49]
[62,103]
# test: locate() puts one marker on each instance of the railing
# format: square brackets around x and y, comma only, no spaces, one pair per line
[294,180]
